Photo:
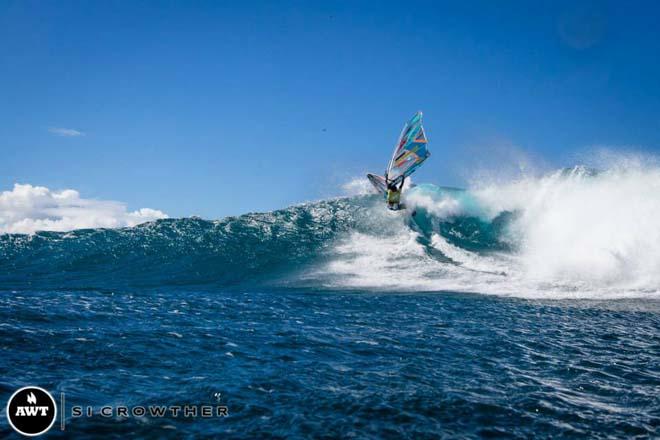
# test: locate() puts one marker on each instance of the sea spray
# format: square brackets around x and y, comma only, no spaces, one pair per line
[586,229]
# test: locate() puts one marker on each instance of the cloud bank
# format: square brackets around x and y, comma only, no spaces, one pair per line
[27,209]
[68,132]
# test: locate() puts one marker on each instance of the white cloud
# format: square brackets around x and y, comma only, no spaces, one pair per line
[68,132]
[27,209]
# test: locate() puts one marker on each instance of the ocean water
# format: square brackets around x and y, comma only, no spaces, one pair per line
[530,309]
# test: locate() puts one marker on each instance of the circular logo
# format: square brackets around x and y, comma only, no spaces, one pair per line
[31,411]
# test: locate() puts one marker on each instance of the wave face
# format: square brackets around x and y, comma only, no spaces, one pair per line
[572,233]
[252,248]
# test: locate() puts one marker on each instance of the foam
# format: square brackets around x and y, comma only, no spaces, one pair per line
[578,234]
[597,231]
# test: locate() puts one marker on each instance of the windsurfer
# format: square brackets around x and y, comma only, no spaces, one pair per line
[410,152]
[394,195]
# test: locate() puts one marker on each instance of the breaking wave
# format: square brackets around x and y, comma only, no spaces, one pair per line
[572,233]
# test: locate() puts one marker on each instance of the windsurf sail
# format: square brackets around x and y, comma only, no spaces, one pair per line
[410,151]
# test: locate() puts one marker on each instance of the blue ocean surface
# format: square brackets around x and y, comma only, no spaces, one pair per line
[334,319]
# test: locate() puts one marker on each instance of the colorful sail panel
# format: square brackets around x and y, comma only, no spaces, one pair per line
[410,150]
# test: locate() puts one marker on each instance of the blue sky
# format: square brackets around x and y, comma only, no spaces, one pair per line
[218,108]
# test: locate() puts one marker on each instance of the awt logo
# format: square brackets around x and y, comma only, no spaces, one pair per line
[31,411]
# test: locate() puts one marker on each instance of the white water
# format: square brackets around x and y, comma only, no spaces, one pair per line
[576,235]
